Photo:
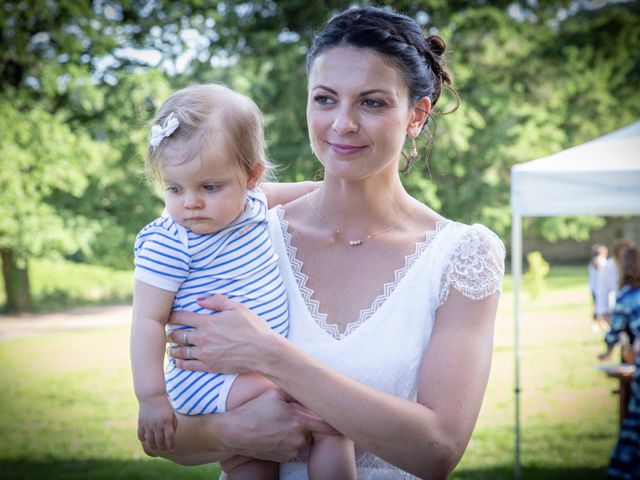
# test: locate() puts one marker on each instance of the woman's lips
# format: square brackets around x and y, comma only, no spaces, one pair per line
[342,149]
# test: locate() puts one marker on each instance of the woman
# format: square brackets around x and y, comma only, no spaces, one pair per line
[607,282]
[392,306]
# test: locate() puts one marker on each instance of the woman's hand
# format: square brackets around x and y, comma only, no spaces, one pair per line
[227,341]
[271,427]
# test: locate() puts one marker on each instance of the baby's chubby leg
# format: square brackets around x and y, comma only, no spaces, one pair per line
[331,457]
[255,469]
[247,387]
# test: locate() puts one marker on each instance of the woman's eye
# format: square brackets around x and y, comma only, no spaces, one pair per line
[323,100]
[372,103]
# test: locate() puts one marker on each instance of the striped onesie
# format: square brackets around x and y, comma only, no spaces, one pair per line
[237,261]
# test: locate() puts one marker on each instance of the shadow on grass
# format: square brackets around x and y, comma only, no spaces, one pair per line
[162,469]
[531,473]
[103,470]
[60,299]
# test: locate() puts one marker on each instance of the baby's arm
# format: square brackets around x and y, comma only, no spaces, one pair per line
[157,421]
[283,193]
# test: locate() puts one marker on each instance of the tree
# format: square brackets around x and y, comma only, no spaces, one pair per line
[73,114]
[531,75]
[532,81]
[41,157]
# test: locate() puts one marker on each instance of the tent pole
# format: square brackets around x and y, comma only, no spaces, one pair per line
[516,273]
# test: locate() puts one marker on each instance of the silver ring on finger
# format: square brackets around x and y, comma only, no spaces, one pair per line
[185,338]
[189,353]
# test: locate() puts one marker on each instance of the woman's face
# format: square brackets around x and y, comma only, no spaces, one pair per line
[358,112]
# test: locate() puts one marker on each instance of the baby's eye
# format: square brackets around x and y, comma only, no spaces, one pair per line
[172,189]
[210,187]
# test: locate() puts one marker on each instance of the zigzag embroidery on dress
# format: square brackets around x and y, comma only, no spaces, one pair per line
[314,306]
[399,275]
[301,279]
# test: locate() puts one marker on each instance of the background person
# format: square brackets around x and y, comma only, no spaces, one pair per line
[625,321]
[599,254]
[608,281]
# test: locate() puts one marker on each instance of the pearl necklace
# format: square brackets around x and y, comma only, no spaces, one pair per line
[351,243]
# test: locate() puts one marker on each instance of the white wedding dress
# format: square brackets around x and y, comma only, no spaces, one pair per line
[385,346]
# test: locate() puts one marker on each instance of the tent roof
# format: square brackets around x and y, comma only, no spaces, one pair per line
[599,177]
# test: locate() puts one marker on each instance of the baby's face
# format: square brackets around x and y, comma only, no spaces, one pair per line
[204,195]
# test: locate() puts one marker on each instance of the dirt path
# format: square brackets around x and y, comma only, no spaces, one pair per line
[27,325]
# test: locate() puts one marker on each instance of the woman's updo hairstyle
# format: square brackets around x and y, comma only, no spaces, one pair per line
[398,38]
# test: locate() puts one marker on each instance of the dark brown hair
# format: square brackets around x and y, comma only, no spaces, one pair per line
[399,39]
[630,268]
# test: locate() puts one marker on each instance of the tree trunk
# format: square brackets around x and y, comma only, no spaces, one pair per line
[16,283]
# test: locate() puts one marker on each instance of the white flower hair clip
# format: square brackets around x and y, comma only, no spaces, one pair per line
[158,132]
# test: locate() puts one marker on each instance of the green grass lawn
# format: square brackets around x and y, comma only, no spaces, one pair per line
[68,411]
[56,285]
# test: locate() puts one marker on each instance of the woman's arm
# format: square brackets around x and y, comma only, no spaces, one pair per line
[283,193]
[269,427]
[426,438]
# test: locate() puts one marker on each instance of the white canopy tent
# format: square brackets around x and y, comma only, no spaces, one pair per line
[600,177]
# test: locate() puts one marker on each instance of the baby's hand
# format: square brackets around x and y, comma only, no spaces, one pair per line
[157,423]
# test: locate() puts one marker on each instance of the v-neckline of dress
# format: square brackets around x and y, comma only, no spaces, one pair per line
[313,305]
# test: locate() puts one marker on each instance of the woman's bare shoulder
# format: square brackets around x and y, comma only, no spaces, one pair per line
[296,214]
[424,218]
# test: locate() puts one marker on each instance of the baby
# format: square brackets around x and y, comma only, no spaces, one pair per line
[207,150]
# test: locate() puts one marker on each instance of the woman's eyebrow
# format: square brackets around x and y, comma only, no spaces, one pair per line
[322,87]
[362,94]
[378,90]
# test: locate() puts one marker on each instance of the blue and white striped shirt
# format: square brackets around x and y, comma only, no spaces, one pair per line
[238,262]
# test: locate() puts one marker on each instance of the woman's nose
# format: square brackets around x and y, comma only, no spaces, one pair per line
[345,121]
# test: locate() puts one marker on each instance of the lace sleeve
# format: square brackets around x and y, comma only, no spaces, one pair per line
[476,267]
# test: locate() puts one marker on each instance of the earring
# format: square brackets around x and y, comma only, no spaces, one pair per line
[413,153]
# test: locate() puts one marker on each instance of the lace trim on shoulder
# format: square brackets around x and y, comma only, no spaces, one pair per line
[314,306]
[476,268]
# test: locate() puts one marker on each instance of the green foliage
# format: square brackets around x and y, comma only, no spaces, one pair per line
[534,78]
[534,279]
[529,88]
[43,159]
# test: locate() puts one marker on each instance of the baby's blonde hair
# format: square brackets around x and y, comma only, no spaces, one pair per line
[208,115]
